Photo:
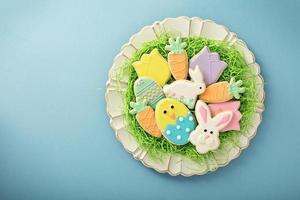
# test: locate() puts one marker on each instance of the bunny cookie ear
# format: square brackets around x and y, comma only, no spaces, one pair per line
[202,112]
[196,74]
[221,120]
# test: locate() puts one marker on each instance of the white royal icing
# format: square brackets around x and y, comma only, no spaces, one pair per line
[168,132]
[206,135]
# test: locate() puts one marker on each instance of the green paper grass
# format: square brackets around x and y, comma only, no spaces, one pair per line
[237,67]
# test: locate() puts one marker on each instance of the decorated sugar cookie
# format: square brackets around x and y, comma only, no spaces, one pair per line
[174,120]
[210,65]
[233,106]
[153,66]
[223,91]
[186,91]
[146,89]
[177,58]
[146,118]
[206,136]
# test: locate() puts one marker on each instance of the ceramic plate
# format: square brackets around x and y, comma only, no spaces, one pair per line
[172,163]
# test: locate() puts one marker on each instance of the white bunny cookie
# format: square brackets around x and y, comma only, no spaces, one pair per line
[206,135]
[187,91]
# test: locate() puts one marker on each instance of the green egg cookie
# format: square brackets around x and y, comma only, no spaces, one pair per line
[146,89]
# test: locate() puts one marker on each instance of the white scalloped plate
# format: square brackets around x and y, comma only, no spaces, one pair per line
[172,163]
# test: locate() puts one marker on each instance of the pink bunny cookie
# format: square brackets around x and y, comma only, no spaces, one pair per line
[206,135]
[187,91]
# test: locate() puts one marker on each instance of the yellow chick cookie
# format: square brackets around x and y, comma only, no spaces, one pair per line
[174,120]
[153,66]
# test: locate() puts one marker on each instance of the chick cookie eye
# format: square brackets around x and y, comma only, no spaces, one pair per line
[172,106]
[211,132]
[200,88]
[205,130]
[164,111]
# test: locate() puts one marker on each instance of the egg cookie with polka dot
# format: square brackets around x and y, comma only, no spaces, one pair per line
[174,120]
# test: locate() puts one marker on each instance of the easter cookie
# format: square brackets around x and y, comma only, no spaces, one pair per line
[146,118]
[223,91]
[146,89]
[206,135]
[174,120]
[209,64]
[234,106]
[177,58]
[186,91]
[153,66]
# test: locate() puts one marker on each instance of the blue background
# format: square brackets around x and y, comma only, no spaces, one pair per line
[55,138]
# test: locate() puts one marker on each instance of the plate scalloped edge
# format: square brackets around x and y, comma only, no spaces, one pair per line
[176,164]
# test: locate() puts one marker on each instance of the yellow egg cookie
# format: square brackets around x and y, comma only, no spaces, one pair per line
[174,120]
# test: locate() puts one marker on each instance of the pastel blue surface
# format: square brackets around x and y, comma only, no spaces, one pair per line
[55,138]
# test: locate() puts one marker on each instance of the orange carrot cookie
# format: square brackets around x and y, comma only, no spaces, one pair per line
[146,118]
[177,58]
[223,91]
